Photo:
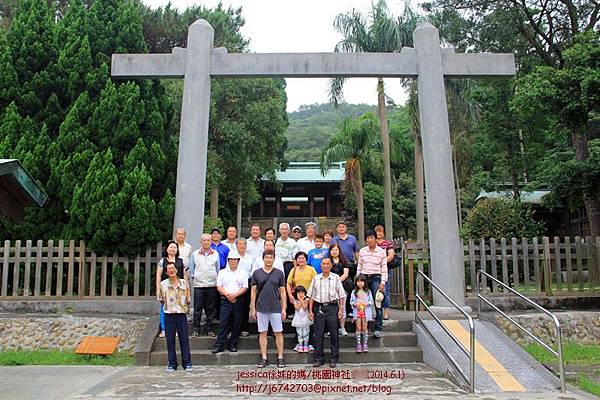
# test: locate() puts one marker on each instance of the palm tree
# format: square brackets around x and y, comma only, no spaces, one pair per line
[463,112]
[377,33]
[407,23]
[357,144]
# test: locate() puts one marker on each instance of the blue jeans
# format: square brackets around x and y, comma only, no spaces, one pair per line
[162,317]
[374,281]
[386,295]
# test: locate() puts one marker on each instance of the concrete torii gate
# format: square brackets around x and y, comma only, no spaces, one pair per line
[427,62]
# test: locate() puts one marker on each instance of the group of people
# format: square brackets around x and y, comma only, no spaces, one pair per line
[316,280]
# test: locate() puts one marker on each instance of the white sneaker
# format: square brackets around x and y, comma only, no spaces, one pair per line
[343,332]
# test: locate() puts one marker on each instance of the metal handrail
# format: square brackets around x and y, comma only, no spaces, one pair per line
[470,381]
[558,353]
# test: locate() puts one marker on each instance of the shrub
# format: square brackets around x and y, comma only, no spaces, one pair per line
[500,218]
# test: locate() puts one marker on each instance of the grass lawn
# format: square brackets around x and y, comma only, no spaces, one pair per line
[57,357]
[582,359]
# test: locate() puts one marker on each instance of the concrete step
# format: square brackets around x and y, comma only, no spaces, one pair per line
[388,326]
[389,339]
[402,354]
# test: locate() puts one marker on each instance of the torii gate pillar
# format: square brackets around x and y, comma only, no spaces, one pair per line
[193,132]
[445,248]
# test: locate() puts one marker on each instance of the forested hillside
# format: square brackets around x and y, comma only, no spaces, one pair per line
[312,126]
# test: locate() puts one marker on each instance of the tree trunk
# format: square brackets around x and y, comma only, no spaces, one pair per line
[592,205]
[419,191]
[360,207]
[522,148]
[239,215]
[387,173]
[457,187]
[513,173]
[214,202]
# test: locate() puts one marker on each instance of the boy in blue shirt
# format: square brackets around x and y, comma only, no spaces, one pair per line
[318,253]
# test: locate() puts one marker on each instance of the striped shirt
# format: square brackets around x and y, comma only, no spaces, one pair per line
[326,290]
[372,262]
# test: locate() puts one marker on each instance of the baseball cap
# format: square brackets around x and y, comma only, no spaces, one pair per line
[215,230]
[340,222]
[233,254]
[296,228]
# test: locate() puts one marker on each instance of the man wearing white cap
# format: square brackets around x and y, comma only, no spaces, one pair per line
[232,283]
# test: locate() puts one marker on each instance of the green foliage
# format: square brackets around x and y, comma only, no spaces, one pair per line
[166,27]
[246,137]
[210,223]
[403,206]
[313,126]
[500,218]
[106,151]
[58,357]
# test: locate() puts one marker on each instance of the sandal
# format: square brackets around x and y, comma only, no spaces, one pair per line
[161,334]
[280,363]
[264,363]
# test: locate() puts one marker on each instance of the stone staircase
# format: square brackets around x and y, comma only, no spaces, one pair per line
[398,345]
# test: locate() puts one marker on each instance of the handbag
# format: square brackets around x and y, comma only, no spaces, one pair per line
[293,284]
[395,263]
[348,285]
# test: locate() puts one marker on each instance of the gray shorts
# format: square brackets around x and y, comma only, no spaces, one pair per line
[263,320]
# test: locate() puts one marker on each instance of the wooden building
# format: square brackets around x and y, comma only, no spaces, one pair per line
[301,191]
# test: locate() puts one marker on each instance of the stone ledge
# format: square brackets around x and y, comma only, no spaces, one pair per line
[64,332]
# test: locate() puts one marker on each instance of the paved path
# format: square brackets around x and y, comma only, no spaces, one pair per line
[96,382]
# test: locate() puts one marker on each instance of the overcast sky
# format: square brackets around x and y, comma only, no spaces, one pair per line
[284,26]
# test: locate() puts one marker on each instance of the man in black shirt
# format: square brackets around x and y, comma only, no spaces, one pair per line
[267,306]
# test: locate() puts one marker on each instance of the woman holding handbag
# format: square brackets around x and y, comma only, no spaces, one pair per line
[340,266]
[388,246]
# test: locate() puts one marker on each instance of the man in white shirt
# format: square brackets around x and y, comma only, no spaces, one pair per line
[255,244]
[285,249]
[232,283]
[245,264]
[185,249]
[307,243]
[204,267]
[277,264]
[231,238]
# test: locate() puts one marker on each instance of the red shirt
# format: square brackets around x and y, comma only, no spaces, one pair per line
[386,245]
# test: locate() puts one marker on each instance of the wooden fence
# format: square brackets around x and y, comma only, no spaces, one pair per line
[537,266]
[62,269]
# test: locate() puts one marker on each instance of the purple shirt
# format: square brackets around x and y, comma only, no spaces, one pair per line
[348,246]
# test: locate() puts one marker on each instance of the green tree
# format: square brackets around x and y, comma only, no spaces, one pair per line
[403,206]
[376,33]
[8,75]
[356,143]
[500,218]
[98,206]
[571,96]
